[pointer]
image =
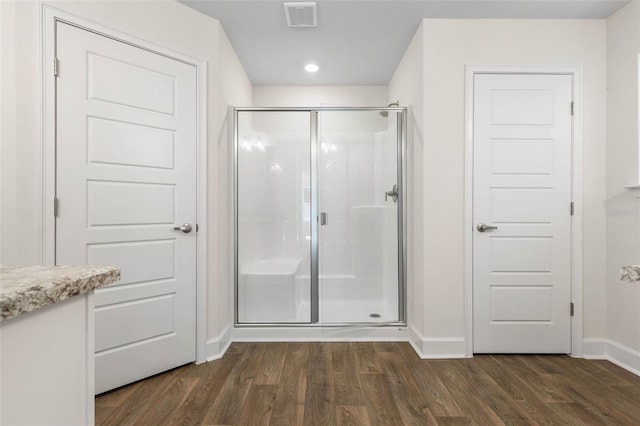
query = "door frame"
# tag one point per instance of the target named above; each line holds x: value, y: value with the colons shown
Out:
x: 576, y: 194
x: 49, y: 17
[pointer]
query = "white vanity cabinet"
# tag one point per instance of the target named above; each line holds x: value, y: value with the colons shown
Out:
x: 47, y: 344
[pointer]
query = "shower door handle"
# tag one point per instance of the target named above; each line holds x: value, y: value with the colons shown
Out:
x: 393, y: 194
x: 324, y: 218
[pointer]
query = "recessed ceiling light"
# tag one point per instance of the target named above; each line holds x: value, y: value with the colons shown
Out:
x: 311, y: 68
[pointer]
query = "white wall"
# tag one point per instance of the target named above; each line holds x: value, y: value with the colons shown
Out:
x: 319, y: 96
x: 20, y: 143
x: 231, y: 86
x: 406, y: 86
x: 449, y: 45
x: 622, y: 208
x: 168, y: 24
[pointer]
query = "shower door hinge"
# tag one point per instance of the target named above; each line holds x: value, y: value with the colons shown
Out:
x: 55, y: 66
x: 56, y: 203
x: 571, y: 209
x: 571, y: 309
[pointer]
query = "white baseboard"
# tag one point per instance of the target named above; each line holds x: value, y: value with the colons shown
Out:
x: 594, y: 348
x: 624, y: 357
x: 619, y: 354
x: 438, y: 348
x: 217, y: 346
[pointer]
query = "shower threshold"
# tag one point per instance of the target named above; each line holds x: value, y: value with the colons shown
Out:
x: 389, y: 332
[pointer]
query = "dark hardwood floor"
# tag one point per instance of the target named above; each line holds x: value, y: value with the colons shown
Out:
x: 376, y: 384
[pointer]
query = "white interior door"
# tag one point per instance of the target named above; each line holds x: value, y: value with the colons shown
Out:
x: 126, y: 175
x: 522, y: 187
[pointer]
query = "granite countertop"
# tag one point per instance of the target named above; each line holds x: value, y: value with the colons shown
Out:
x: 29, y: 288
x: 630, y: 274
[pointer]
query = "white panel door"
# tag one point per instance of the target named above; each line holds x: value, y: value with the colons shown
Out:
x: 522, y: 187
x: 126, y: 175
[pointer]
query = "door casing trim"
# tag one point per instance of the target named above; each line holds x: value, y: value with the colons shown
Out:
x: 575, y: 71
x: 49, y: 17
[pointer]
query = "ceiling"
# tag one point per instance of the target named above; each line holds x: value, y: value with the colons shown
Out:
x: 358, y: 42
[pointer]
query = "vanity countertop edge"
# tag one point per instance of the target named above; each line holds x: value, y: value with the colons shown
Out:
x: 26, y: 289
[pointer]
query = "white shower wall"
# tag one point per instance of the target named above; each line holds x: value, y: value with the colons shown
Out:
x: 273, y: 223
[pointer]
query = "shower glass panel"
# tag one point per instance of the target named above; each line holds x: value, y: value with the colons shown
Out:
x: 273, y: 206
x: 319, y: 216
x: 358, y: 184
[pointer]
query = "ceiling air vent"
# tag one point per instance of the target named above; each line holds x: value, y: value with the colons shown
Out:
x: 301, y: 14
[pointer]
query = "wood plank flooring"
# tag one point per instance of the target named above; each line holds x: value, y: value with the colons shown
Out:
x: 376, y: 384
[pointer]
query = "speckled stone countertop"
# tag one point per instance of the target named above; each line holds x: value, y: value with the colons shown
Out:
x: 630, y: 274
x: 29, y: 288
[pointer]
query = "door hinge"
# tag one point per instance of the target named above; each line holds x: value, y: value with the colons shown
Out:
x: 571, y: 309
x: 572, y: 110
x: 55, y: 66
x: 571, y: 208
x: 56, y: 204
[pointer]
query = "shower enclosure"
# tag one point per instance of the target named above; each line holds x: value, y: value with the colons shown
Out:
x: 319, y: 222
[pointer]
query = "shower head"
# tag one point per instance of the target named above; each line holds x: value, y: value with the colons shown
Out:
x: 385, y: 114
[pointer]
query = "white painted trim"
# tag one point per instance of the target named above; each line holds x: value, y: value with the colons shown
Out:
x: 415, y: 340
x: 468, y: 210
x: 577, y: 321
x: 90, y: 348
x: 217, y: 347
x: 50, y: 15
x: 444, y: 348
x: 320, y: 334
x: 437, y: 348
x: 202, y: 247
x: 617, y: 353
x: 576, y: 192
x: 594, y: 348
x: 623, y: 356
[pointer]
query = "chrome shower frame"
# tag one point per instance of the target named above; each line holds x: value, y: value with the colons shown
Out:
x: 314, y: 158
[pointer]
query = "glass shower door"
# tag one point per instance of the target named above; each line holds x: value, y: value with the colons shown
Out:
x: 273, y: 222
x: 358, y: 179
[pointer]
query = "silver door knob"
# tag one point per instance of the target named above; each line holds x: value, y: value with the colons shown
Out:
x: 186, y: 228
x: 483, y: 227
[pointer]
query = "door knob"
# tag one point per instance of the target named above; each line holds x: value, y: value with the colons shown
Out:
x: 186, y: 228
x: 483, y: 227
